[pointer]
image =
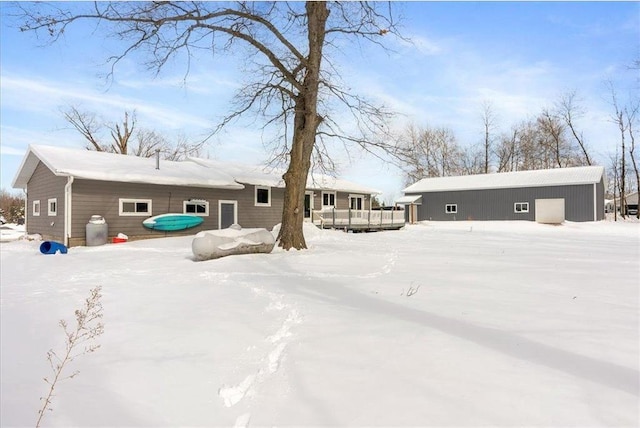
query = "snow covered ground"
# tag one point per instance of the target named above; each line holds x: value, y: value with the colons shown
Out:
x: 438, y: 324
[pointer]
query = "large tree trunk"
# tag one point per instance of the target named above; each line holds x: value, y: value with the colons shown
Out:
x: 306, y: 123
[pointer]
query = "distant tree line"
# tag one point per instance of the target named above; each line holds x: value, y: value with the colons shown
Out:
x: 12, y: 207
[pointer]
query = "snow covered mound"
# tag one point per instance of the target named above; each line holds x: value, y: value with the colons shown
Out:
x: 214, y: 244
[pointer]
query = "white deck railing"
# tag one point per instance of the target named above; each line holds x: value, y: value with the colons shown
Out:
x: 359, y: 218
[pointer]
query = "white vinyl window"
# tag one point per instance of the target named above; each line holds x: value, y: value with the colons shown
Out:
x: 196, y: 207
x: 135, y: 207
x: 52, y: 205
x: 521, y: 207
x: 262, y: 196
x: 451, y: 208
x: 328, y: 199
x: 356, y: 202
x: 36, y: 208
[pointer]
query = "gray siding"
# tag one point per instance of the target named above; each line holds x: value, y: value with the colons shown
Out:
x: 102, y: 198
x: 90, y: 197
x: 498, y: 204
x: 342, y: 200
x: 42, y: 186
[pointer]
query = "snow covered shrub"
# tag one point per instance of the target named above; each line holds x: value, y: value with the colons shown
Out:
x: 78, y: 341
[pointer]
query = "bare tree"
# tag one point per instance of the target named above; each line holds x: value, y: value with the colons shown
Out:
x: 551, y: 137
x: 613, y: 181
x: 619, y: 119
x: 90, y: 127
x: 506, y: 151
x: 488, y: 123
x: 429, y: 152
x: 126, y: 138
x: 87, y: 125
x: 569, y: 111
x: 286, y: 44
x: 631, y: 113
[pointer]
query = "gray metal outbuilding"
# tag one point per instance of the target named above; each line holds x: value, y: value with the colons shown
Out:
x: 577, y: 195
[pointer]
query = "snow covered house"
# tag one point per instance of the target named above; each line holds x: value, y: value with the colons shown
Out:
x: 65, y: 187
x: 575, y: 194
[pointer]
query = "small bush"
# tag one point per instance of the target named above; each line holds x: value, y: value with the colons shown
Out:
x: 79, y: 341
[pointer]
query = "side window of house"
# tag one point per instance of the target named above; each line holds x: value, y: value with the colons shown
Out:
x: 451, y: 208
x: 328, y: 199
x: 197, y: 207
x: 262, y: 196
x: 36, y: 208
x: 135, y: 207
x: 521, y: 207
x: 52, y: 205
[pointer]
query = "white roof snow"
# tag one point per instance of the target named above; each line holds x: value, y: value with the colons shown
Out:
x: 408, y: 200
x: 272, y: 177
x: 504, y: 180
x: 196, y: 172
x: 92, y: 165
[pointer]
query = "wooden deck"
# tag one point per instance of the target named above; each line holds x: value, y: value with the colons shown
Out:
x: 359, y: 220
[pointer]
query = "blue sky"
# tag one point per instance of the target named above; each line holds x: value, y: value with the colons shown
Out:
x: 519, y: 56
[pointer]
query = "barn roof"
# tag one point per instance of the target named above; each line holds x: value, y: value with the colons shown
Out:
x: 506, y: 180
x: 92, y: 165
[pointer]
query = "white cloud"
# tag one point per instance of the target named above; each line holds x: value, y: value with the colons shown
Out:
x: 43, y: 96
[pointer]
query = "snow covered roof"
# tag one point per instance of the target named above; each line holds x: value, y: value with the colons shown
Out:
x: 92, y: 165
x: 272, y: 177
x: 196, y: 172
x: 503, y: 180
x: 326, y: 182
x: 243, y: 173
x: 408, y: 200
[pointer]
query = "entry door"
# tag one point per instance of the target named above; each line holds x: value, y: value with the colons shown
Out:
x: 227, y: 213
x: 308, y: 205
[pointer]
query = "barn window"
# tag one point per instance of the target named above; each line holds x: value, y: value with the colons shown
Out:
x: 135, y: 207
x: 521, y: 207
x: 451, y: 208
x: 52, y: 205
x: 196, y: 206
x: 36, y: 208
x: 263, y: 196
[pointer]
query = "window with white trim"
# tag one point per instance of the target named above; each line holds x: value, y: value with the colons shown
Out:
x: 36, y: 208
x: 451, y: 208
x: 135, y: 207
x: 196, y: 207
x: 52, y: 206
x: 328, y: 199
x: 521, y: 207
x: 262, y: 196
x: 356, y: 202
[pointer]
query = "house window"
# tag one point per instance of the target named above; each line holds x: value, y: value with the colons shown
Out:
x: 135, y: 207
x: 328, y: 199
x: 263, y: 196
x: 52, y: 205
x: 197, y: 207
x: 36, y: 208
x: 356, y: 202
x: 521, y: 207
x: 451, y: 208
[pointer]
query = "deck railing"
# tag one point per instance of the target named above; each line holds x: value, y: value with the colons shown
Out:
x: 359, y: 219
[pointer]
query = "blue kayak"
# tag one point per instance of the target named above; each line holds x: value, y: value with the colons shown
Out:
x: 172, y: 222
